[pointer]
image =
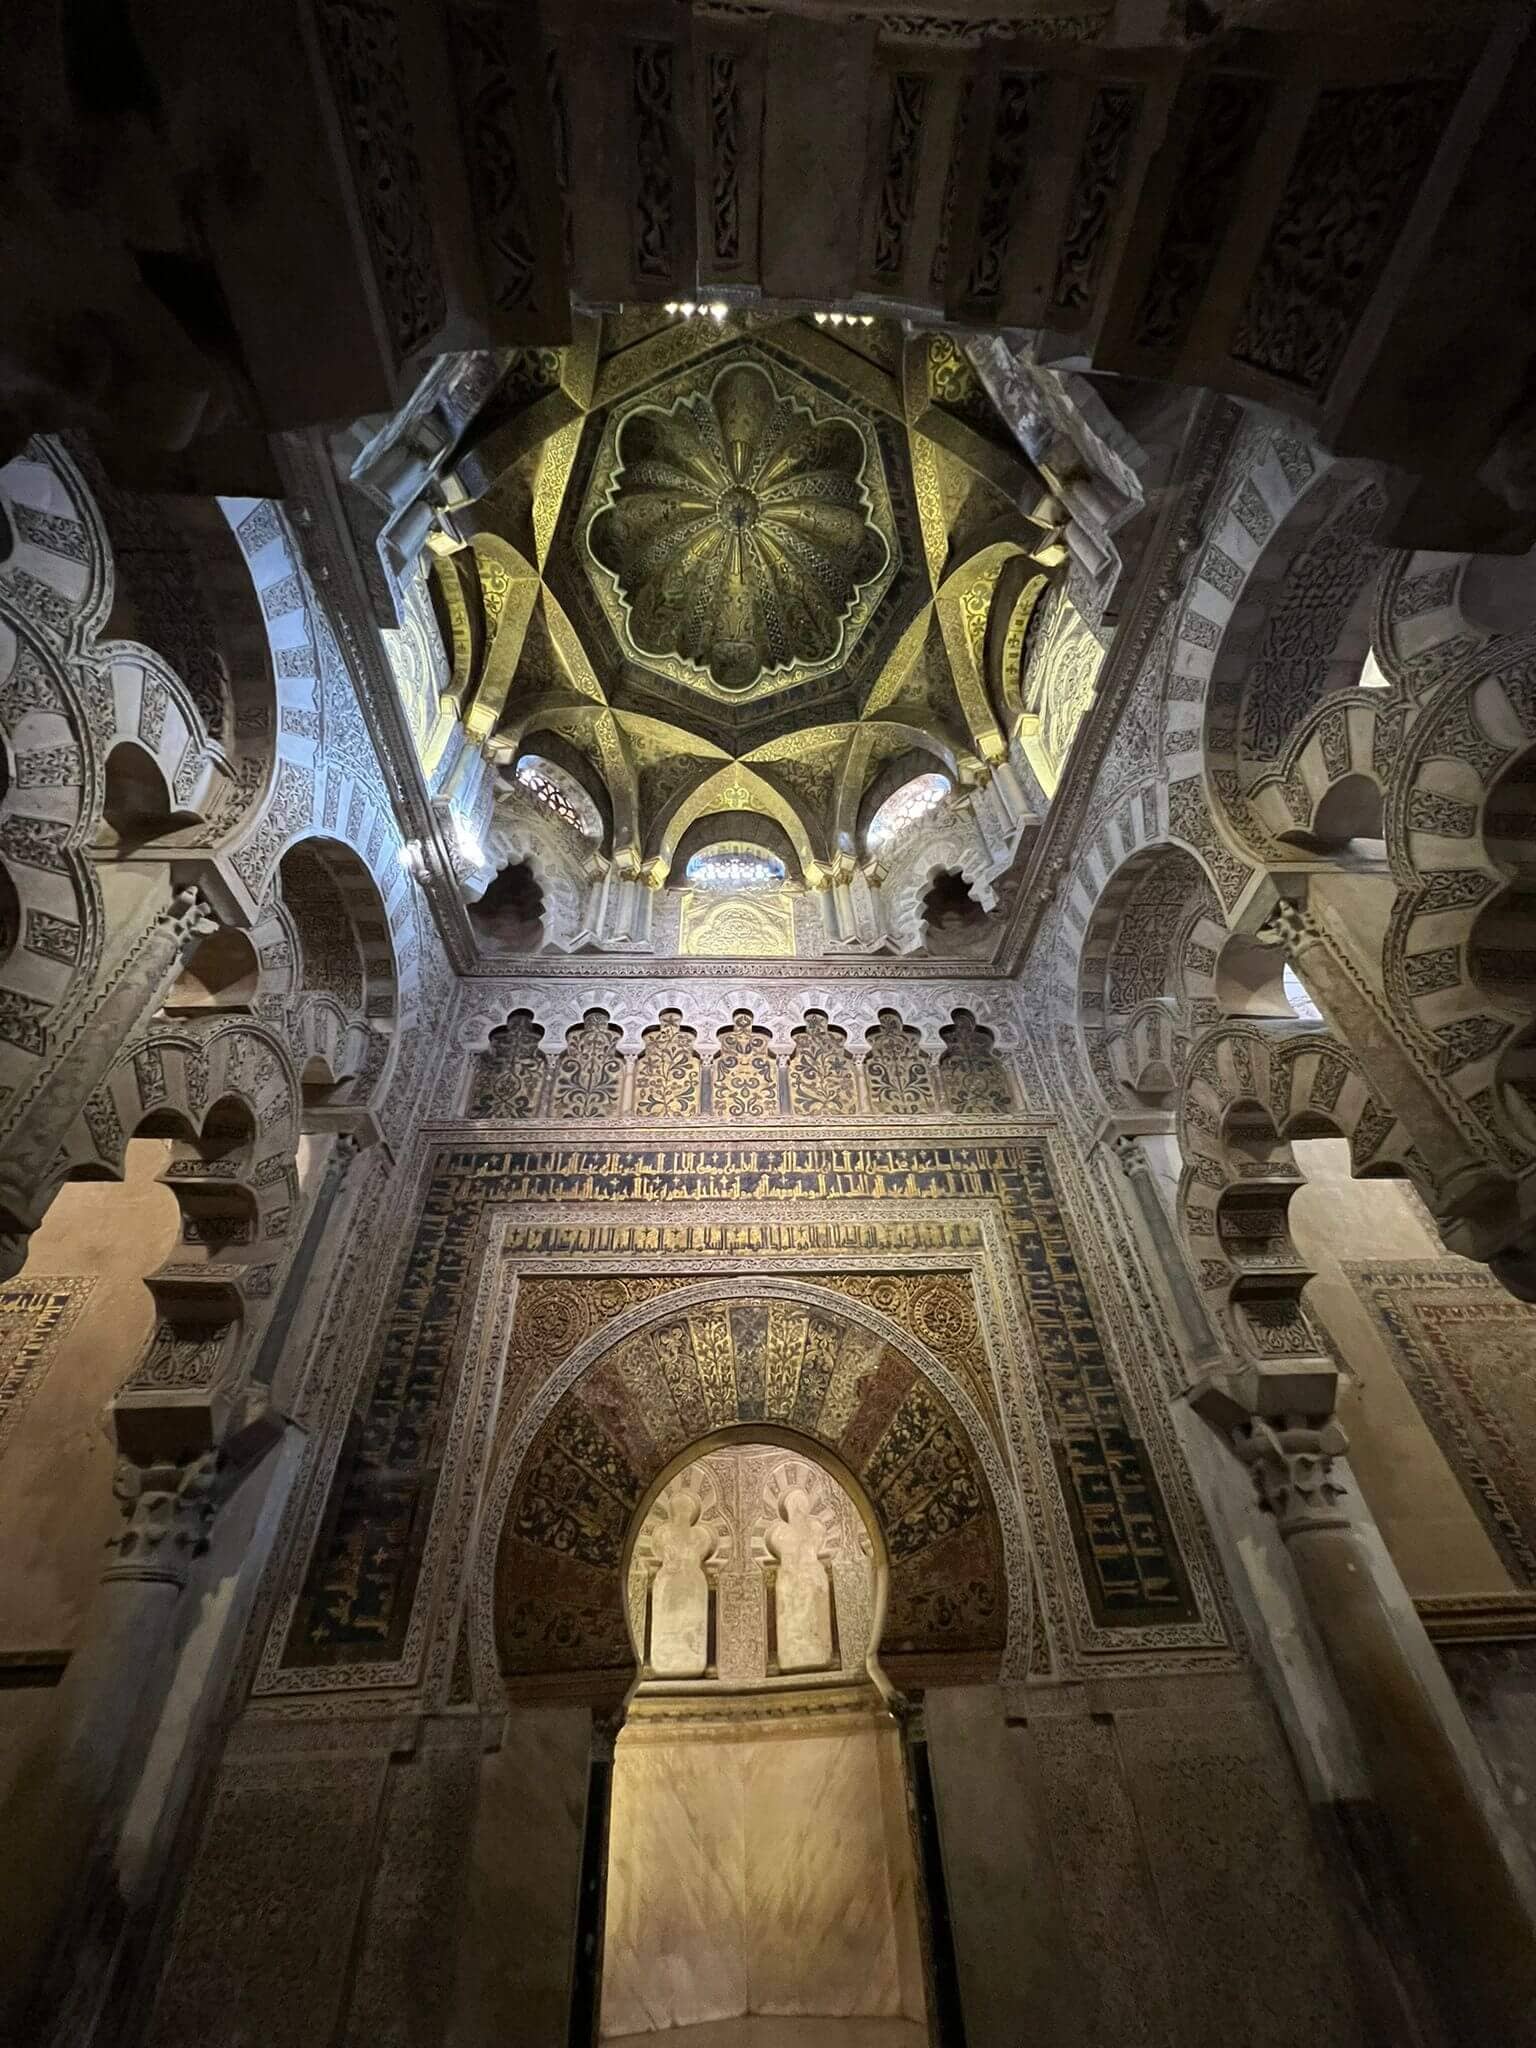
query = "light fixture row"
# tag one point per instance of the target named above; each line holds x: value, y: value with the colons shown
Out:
x: 717, y: 309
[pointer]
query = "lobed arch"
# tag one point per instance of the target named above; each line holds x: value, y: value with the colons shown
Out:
x: 638, y: 1007
x: 523, y: 834
x: 1247, y: 1091
x: 986, y: 1632
x: 1146, y: 969
x: 319, y: 964
x: 344, y: 994
x: 1460, y: 838
x: 226, y: 1093
x: 178, y: 1070
x: 1277, y: 616
x: 955, y: 847
x: 1435, y: 609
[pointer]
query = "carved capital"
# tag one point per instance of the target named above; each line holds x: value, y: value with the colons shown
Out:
x: 1292, y: 1467
x: 168, y: 1506
x: 1130, y: 1155
x: 187, y: 919
x: 1292, y: 926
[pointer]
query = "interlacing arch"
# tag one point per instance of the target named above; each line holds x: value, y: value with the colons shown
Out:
x: 1146, y: 973
x: 1461, y: 831
x: 227, y: 1094
x: 1247, y: 1092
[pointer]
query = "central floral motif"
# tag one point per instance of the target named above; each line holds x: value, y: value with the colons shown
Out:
x: 738, y: 530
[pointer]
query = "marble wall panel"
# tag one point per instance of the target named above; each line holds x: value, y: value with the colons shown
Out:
x: 517, y: 1912
x: 1101, y: 1866
x: 1253, y: 1942
x: 1134, y: 1873
x: 675, y: 1950
x: 403, y: 1987
x: 817, y: 1877
x: 260, y: 1944
x: 756, y: 1870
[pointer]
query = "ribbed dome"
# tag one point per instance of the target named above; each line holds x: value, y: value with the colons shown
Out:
x: 737, y: 527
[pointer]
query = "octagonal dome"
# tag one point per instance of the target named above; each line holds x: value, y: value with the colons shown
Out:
x: 739, y: 529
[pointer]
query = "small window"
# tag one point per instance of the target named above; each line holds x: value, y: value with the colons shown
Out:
x: 560, y: 794
x: 906, y: 807
x: 734, y: 868
x: 1299, y: 997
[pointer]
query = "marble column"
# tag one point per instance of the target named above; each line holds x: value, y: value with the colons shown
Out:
x: 62, y: 1798
x: 1288, y: 1645
x: 1473, y: 1902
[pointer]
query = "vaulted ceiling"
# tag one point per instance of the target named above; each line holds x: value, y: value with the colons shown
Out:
x: 733, y: 566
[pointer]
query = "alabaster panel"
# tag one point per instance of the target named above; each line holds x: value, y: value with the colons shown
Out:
x: 773, y: 2031
x: 823, y: 1930
x: 676, y: 1946
x: 752, y: 1872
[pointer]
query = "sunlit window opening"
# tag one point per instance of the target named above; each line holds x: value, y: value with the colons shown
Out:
x: 906, y: 807
x: 559, y: 793
x: 1296, y: 994
x: 734, y: 867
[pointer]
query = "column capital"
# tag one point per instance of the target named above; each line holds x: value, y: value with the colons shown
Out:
x: 1292, y: 1467
x: 168, y: 1505
x: 1130, y: 1155
x: 188, y: 918
x: 1292, y: 926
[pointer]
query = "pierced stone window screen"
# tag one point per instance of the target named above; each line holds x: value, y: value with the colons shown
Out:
x: 734, y: 868
x: 904, y: 808
x: 1299, y: 997
x: 560, y: 794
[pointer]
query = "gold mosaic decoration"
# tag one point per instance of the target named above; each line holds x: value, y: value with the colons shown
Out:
x: 739, y: 531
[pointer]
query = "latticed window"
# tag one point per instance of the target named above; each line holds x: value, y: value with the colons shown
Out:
x: 904, y: 808
x: 560, y: 793
x: 734, y: 868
